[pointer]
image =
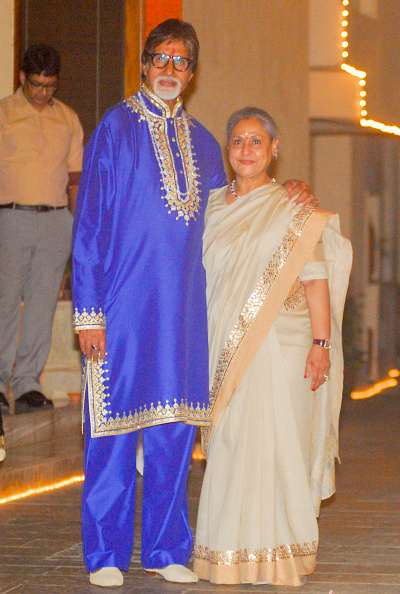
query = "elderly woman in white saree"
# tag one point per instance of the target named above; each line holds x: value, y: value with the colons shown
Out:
x: 276, y: 283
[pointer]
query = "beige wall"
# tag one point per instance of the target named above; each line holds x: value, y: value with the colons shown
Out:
x: 332, y: 176
x: 254, y: 52
x: 325, y: 17
x: 6, y: 47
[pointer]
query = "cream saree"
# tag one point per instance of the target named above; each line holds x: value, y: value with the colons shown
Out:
x: 273, y: 442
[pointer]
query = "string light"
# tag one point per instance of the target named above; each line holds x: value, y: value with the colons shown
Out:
x: 374, y: 390
x: 380, y: 126
x: 362, y: 76
x: 36, y: 491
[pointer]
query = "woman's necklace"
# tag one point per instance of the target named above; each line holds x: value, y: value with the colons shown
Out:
x: 232, y: 187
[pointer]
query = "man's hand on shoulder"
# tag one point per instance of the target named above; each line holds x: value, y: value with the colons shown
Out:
x: 301, y: 189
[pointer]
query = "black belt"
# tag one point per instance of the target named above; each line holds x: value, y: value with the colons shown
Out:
x: 36, y: 207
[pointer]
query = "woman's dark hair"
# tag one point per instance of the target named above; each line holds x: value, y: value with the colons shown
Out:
x: 245, y: 113
x: 172, y: 30
x: 41, y: 59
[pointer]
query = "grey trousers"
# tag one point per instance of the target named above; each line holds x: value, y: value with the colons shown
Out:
x: 34, y: 249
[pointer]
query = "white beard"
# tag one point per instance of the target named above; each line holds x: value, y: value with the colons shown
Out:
x: 167, y: 93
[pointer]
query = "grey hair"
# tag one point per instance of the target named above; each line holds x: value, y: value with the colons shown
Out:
x: 245, y: 113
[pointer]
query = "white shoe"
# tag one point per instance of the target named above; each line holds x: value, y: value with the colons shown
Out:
x: 107, y: 577
x: 2, y: 448
x: 175, y: 573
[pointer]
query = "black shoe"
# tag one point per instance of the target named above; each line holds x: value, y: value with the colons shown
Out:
x: 4, y: 406
x: 31, y: 401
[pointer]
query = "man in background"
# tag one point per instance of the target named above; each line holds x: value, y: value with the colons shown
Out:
x: 41, y: 145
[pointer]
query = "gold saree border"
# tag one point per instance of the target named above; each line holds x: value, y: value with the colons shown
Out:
x: 284, y: 565
x: 263, y: 305
x: 104, y: 422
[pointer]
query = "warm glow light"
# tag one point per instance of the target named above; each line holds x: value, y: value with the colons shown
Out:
x: 354, y: 71
x: 373, y: 390
x: 380, y: 126
x: 197, y: 453
x: 345, y: 44
x: 363, y: 93
x: 393, y: 373
x: 344, y: 23
x: 37, y: 490
x: 344, y: 34
x: 345, y: 13
x: 362, y: 83
x: 345, y: 2
x: 364, y: 112
x: 363, y: 103
x: 345, y: 54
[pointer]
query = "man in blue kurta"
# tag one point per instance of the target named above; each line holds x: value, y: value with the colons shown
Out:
x: 140, y: 310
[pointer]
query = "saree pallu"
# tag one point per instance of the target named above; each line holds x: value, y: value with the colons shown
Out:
x: 272, y: 446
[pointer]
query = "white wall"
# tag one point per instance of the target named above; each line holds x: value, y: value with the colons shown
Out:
x: 6, y: 47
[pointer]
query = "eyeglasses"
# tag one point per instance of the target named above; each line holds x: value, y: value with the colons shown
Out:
x: 41, y: 86
x: 161, y: 60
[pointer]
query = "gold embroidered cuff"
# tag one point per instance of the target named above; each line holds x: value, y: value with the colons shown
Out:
x: 89, y: 321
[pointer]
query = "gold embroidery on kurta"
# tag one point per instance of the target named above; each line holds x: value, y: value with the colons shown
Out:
x: 104, y: 421
x: 89, y: 321
x: 184, y: 203
x: 255, y: 555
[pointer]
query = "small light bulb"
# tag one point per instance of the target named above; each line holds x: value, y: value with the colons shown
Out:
x: 364, y: 112
x: 345, y: 54
x: 345, y: 13
x: 344, y: 23
x: 363, y: 103
x: 345, y: 43
x: 362, y: 83
x: 344, y: 34
x: 363, y: 93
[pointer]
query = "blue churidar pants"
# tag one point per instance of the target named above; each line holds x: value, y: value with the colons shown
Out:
x: 109, y: 497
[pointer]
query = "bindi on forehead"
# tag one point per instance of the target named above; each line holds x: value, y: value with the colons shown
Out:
x: 174, y: 48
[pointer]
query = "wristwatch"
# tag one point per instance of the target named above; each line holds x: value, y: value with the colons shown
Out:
x: 324, y: 343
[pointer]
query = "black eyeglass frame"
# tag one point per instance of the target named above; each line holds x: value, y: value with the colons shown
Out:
x: 41, y: 86
x: 152, y: 56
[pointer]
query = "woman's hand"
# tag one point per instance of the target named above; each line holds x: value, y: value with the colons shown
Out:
x: 317, y: 365
x: 93, y: 343
x: 296, y: 186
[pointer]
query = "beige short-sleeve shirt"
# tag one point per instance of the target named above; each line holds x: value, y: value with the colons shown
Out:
x: 37, y: 151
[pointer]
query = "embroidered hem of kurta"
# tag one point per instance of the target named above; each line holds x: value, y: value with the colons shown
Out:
x: 104, y: 422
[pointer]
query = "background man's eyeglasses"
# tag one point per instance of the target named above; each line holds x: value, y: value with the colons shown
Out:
x: 161, y: 60
x: 41, y: 86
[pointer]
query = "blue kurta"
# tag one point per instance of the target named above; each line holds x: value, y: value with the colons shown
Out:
x: 137, y: 268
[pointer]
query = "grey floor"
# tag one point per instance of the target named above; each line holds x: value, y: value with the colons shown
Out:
x: 41, y: 551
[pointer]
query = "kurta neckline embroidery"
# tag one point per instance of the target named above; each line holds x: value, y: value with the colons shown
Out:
x: 184, y: 203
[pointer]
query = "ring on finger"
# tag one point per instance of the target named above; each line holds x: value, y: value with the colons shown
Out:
x: 327, y: 377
